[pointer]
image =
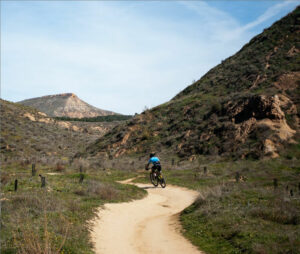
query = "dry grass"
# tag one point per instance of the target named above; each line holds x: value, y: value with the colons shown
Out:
x: 281, y: 212
x: 28, y: 241
x: 93, y: 188
x: 242, y: 216
x: 66, y: 202
x: 32, y: 230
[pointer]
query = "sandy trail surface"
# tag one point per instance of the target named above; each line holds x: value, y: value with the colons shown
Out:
x: 149, y: 225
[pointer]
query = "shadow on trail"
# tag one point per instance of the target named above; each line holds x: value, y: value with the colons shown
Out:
x: 150, y: 187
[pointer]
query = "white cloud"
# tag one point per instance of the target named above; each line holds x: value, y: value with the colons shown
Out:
x: 268, y: 14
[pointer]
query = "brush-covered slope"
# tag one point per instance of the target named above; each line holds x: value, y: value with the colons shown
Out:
x: 27, y: 133
x: 246, y: 107
x: 67, y: 104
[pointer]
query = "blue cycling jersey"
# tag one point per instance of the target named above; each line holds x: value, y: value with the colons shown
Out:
x: 153, y: 160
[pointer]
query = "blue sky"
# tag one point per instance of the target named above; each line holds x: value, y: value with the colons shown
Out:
x: 122, y: 55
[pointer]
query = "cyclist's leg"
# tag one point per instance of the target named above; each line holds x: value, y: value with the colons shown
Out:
x: 159, y: 168
x: 153, y: 169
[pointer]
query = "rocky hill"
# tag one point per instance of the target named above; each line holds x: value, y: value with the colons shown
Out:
x: 246, y: 107
x: 27, y: 133
x: 67, y: 104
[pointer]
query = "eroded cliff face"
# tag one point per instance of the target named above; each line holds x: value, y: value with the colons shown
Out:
x: 261, y: 117
x: 66, y: 104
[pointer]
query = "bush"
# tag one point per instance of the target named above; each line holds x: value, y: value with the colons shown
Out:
x: 103, y: 190
x: 59, y: 167
x: 216, y: 107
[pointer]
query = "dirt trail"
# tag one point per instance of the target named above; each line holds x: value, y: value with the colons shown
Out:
x: 143, y: 226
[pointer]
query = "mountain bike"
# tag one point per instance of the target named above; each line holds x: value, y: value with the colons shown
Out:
x: 157, y: 178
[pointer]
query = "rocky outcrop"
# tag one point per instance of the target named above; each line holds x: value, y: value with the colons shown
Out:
x: 265, y: 115
x: 66, y: 104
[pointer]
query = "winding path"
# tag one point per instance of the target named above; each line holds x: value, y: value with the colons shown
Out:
x: 149, y: 225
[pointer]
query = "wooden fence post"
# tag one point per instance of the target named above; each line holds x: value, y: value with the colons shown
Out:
x: 237, y: 177
x: 43, y: 181
x: 275, y: 183
x: 33, y: 170
x: 16, y: 184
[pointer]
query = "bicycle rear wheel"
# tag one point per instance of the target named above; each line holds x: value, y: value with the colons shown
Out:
x: 153, y: 179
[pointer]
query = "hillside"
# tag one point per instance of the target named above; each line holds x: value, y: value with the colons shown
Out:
x: 27, y: 134
x: 246, y: 107
x: 65, y: 105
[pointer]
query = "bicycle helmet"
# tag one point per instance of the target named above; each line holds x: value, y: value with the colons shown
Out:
x: 152, y: 155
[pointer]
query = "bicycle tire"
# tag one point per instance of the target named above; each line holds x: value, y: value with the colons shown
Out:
x: 153, y: 179
x: 162, y: 182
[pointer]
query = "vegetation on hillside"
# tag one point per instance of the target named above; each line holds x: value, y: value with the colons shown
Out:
x: 258, y: 65
x: 27, y: 134
x: 109, y: 118
x: 217, y: 115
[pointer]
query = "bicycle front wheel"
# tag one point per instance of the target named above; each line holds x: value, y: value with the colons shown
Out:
x: 162, y: 182
x: 153, y: 179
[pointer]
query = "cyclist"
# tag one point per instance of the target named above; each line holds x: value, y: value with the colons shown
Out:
x: 155, y: 161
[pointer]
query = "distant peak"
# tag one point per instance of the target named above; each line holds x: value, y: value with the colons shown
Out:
x: 65, y: 104
x: 64, y: 95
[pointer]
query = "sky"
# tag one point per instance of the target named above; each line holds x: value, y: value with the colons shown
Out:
x: 123, y: 56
